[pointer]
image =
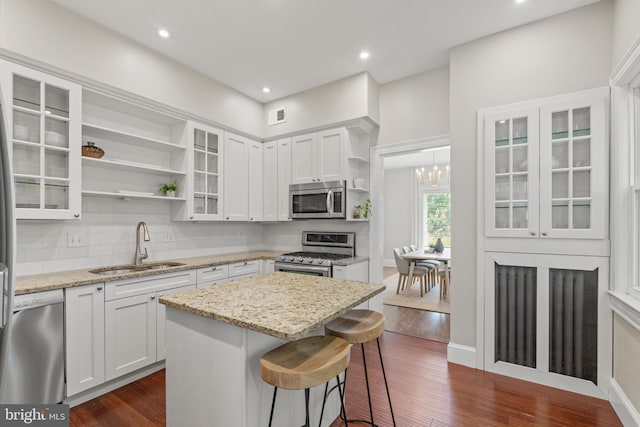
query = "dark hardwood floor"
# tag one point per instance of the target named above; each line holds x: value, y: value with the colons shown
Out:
x: 425, y: 390
x: 417, y: 323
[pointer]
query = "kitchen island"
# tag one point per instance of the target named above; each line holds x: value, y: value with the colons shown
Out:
x: 216, y: 336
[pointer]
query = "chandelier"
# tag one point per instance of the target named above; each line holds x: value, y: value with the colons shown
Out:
x: 430, y: 178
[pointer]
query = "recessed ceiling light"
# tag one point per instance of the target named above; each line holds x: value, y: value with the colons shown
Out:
x: 163, y: 33
x: 520, y: 1
x: 364, y: 55
x: 266, y: 89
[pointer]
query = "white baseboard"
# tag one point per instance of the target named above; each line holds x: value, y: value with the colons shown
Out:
x: 389, y: 263
x: 625, y: 410
x: 462, y: 355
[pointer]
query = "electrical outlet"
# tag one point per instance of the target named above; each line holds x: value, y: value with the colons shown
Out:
x: 241, y: 233
x: 169, y: 237
x: 76, y: 240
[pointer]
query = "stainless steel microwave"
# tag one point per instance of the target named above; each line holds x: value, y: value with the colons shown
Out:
x: 318, y: 200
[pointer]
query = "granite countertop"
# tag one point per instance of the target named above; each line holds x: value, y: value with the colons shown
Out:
x: 68, y: 279
x: 351, y: 260
x: 283, y: 305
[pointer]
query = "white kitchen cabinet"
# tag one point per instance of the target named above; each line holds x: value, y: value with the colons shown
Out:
x: 268, y: 266
x: 214, y: 275
x: 84, y: 337
x: 546, y: 168
x: 130, y: 334
x: 255, y: 172
x: 206, y: 173
x: 236, y: 179
x: 284, y: 178
x: 161, y: 320
x: 357, y: 271
x: 44, y: 126
x: 143, y: 150
x: 276, y: 157
x: 270, y: 180
x: 244, y: 269
x: 318, y: 156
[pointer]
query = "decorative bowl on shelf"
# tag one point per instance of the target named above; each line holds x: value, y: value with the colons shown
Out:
x: 90, y: 150
x: 358, y: 183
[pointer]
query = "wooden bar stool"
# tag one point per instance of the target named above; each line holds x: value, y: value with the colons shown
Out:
x: 303, y: 364
x: 360, y: 327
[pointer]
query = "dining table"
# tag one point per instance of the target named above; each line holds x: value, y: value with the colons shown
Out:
x: 428, y: 254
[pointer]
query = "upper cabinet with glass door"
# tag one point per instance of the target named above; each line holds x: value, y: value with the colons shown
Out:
x: 511, y: 160
x: 546, y: 168
x: 573, y: 167
x: 45, y: 132
x: 204, y: 200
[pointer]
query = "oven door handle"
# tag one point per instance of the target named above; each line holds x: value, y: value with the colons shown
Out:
x: 330, y: 201
x: 301, y: 267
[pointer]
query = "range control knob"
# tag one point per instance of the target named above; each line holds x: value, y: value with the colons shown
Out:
x: 281, y: 257
x: 290, y: 259
x: 300, y: 259
x: 320, y: 261
x: 310, y: 260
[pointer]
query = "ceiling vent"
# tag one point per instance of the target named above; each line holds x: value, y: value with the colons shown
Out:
x: 276, y: 116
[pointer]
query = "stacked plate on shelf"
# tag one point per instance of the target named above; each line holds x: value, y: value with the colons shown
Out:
x: 55, y: 138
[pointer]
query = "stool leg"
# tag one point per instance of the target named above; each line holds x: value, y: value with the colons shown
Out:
x: 366, y: 377
x: 384, y: 375
x: 342, y: 408
x: 324, y: 400
x: 273, y: 404
x: 306, y: 407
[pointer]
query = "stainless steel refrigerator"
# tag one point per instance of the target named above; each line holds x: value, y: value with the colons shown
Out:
x: 7, y: 250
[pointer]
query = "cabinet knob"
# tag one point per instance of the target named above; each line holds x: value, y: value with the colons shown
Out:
x: 544, y: 234
x: 250, y: 219
x: 76, y: 215
x: 227, y: 218
x: 191, y: 217
x: 245, y: 263
x: 533, y: 233
x: 214, y: 268
x: 99, y: 288
x: 153, y: 297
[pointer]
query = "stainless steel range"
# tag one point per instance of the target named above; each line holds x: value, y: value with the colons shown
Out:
x: 319, y: 252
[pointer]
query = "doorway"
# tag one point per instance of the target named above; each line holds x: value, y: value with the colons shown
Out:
x: 409, y: 211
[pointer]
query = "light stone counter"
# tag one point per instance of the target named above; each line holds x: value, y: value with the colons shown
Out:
x: 68, y: 279
x: 283, y: 305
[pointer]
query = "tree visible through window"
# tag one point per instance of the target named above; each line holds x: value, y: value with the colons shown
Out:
x: 437, y: 214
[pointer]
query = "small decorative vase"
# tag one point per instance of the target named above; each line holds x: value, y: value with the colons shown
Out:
x: 439, y: 246
x: 171, y: 194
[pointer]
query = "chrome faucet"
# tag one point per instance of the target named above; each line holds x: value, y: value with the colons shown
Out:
x: 138, y: 257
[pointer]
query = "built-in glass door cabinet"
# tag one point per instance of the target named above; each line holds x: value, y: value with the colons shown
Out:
x: 511, y: 162
x: 43, y: 115
x: 255, y: 190
x: 204, y: 200
x: 318, y: 156
x: 546, y: 169
x: 236, y: 179
x: 547, y: 320
x: 143, y: 150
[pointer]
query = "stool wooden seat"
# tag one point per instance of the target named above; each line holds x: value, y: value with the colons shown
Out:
x: 360, y: 327
x: 303, y: 364
x: 357, y: 326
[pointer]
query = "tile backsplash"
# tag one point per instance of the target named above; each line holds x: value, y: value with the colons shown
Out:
x: 107, y: 234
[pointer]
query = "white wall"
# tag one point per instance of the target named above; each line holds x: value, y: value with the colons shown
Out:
x: 108, y: 227
x: 342, y: 100
x: 399, y: 205
x: 561, y: 54
x: 45, y: 31
x: 415, y: 107
x: 626, y: 16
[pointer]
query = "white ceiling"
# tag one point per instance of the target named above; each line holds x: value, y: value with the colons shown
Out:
x: 294, y: 45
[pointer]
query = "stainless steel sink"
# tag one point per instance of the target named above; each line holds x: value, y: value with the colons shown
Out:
x: 130, y: 268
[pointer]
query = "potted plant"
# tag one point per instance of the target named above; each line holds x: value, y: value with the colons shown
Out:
x: 169, y: 189
x: 357, y: 211
x: 367, y: 208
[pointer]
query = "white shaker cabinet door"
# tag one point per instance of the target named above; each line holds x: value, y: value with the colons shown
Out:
x: 330, y: 155
x: 284, y: 178
x: 303, y: 158
x: 161, y: 317
x: 84, y: 332
x: 130, y: 334
x: 270, y: 180
x: 236, y: 178
x: 255, y: 185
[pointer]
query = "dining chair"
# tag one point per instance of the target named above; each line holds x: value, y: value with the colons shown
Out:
x: 419, y: 272
x: 432, y: 265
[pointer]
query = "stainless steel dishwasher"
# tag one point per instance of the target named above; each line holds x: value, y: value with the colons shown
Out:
x: 35, y: 362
